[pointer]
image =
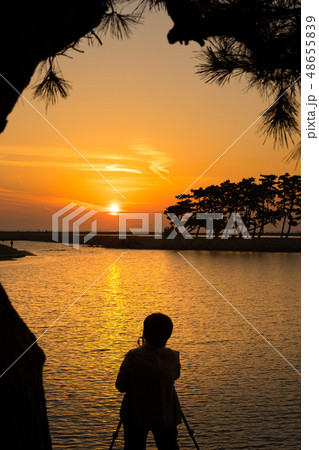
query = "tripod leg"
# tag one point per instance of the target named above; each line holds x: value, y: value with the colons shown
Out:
x: 115, y: 434
x: 190, y: 431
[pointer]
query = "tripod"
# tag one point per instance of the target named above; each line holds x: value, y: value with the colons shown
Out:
x: 190, y: 432
x: 115, y: 434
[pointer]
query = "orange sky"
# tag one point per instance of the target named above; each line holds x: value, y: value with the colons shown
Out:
x: 143, y: 118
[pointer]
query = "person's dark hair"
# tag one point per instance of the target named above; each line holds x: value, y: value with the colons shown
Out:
x: 157, y: 329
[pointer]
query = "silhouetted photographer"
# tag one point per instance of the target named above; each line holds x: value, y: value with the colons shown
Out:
x: 147, y: 377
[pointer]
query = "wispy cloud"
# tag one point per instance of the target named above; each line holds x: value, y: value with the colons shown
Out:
x: 47, y: 164
x: 157, y: 161
x: 117, y: 168
x: 6, y: 190
x: 21, y: 197
x: 142, y: 160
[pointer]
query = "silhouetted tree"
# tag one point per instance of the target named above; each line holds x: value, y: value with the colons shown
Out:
x: 210, y: 200
x: 289, y: 201
x: 261, y: 40
x: 182, y: 207
x: 283, y: 189
x: 257, y: 38
x: 266, y: 212
x: 248, y: 203
x: 258, y: 204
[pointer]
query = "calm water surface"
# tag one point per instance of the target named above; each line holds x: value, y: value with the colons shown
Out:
x: 235, y: 390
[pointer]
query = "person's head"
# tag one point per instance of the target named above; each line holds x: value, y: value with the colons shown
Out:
x: 157, y: 329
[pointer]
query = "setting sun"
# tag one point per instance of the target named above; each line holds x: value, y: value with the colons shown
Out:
x: 114, y: 208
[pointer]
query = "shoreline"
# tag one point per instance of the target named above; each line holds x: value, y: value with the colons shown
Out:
x: 105, y: 240
x: 200, y: 244
x: 7, y: 253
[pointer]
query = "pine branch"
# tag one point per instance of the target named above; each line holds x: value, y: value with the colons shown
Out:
x: 280, y: 121
x: 51, y: 87
x: 119, y: 25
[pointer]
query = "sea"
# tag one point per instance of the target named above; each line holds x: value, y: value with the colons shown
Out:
x: 236, y: 325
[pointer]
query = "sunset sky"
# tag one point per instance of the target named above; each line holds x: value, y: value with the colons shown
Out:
x: 139, y: 114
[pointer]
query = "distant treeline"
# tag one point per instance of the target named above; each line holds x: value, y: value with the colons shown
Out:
x: 271, y: 200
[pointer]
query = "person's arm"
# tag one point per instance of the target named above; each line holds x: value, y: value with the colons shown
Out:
x: 122, y: 380
x: 178, y: 368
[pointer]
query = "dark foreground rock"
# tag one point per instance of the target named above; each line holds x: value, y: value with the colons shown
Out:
x: 23, y: 417
x: 7, y: 252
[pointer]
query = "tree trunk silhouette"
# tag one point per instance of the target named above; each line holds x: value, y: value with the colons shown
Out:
x: 23, y: 417
x: 288, y: 231
x: 31, y: 34
x: 283, y: 227
x: 254, y: 230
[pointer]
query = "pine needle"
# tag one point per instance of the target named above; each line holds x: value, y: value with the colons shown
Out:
x: 119, y: 25
x: 51, y: 87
